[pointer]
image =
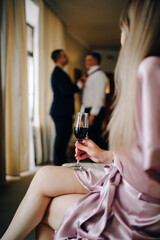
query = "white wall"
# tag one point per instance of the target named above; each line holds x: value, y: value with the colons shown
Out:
x: 76, y: 52
x: 109, y: 59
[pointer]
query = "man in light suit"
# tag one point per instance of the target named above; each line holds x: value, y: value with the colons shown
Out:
x: 62, y: 108
x: 93, y: 98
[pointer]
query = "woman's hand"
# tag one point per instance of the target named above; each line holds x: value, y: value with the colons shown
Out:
x: 92, y: 151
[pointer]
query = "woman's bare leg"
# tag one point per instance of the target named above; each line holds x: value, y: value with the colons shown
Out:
x: 58, y: 208
x: 49, y: 182
x: 54, y: 214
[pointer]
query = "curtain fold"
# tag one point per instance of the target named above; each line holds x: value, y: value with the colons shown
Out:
x: 52, y: 36
x: 2, y: 146
x: 2, y: 90
x: 16, y: 107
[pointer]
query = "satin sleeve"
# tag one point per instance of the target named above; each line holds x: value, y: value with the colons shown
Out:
x: 149, y: 73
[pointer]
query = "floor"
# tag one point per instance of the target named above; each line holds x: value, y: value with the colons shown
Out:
x: 11, y: 195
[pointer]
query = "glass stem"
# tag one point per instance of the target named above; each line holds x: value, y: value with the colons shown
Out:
x: 80, y: 141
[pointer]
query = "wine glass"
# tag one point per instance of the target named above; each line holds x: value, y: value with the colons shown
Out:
x: 80, y: 131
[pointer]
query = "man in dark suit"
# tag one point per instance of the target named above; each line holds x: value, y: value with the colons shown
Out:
x: 62, y: 108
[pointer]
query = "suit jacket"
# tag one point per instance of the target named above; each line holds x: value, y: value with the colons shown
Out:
x: 64, y: 89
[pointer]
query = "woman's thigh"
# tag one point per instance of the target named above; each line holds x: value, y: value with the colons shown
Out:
x: 58, y: 208
x: 54, y: 181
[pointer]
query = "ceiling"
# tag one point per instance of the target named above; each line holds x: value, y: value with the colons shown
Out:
x: 95, y: 23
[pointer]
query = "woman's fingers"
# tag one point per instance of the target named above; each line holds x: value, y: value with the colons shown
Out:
x: 78, y: 152
x: 81, y: 151
x: 81, y: 146
x: 84, y: 156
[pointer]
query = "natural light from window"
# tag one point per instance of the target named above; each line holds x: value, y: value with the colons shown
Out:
x: 32, y: 32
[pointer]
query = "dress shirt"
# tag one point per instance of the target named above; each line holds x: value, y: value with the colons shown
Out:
x: 94, y: 90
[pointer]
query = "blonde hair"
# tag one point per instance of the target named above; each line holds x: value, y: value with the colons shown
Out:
x: 140, y: 20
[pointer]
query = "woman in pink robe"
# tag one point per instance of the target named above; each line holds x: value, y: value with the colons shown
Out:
x: 123, y: 200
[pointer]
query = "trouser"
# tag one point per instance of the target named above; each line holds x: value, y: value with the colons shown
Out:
x: 63, y: 127
x: 95, y: 131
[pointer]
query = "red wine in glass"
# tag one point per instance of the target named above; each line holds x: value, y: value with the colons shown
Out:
x: 80, y: 131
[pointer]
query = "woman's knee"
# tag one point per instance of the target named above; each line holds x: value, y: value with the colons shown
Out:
x: 40, y: 177
x: 57, y: 180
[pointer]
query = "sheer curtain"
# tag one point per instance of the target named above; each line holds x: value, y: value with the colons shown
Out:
x: 16, y: 102
x: 52, y: 36
x: 2, y: 89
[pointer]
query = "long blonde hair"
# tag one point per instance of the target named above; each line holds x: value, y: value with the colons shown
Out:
x: 140, y: 20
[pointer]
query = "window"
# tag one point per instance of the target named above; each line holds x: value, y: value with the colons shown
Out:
x: 30, y: 70
x: 32, y: 32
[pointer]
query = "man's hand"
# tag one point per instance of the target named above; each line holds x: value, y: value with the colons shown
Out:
x: 83, y: 78
x: 82, y: 81
x: 91, y: 119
